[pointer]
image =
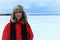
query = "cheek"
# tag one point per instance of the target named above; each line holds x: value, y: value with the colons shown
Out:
x: 20, y: 15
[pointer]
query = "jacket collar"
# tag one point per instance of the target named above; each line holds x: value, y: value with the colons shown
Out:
x: 22, y: 21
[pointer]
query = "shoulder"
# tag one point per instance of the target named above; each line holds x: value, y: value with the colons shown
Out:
x: 7, y: 26
x: 28, y: 24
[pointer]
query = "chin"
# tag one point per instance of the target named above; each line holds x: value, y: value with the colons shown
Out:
x: 18, y: 18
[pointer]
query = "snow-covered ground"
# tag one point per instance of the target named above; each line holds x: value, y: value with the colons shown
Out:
x: 44, y: 27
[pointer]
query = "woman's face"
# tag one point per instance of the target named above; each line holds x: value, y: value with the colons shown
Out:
x: 18, y: 15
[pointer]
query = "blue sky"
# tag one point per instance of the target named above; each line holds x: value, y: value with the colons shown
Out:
x: 32, y: 6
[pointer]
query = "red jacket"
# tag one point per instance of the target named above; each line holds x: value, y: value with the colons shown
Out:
x: 6, y: 32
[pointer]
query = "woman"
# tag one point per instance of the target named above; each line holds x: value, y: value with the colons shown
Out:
x: 18, y: 27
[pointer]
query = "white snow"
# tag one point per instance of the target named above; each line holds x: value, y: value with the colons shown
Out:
x: 44, y: 27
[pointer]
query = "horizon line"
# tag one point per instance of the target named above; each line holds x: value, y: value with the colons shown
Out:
x: 30, y: 14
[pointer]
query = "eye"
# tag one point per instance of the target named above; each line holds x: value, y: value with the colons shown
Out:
x: 20, y: 11
x: 15, y: 12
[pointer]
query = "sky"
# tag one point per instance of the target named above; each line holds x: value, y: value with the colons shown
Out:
x: 32, y: 6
